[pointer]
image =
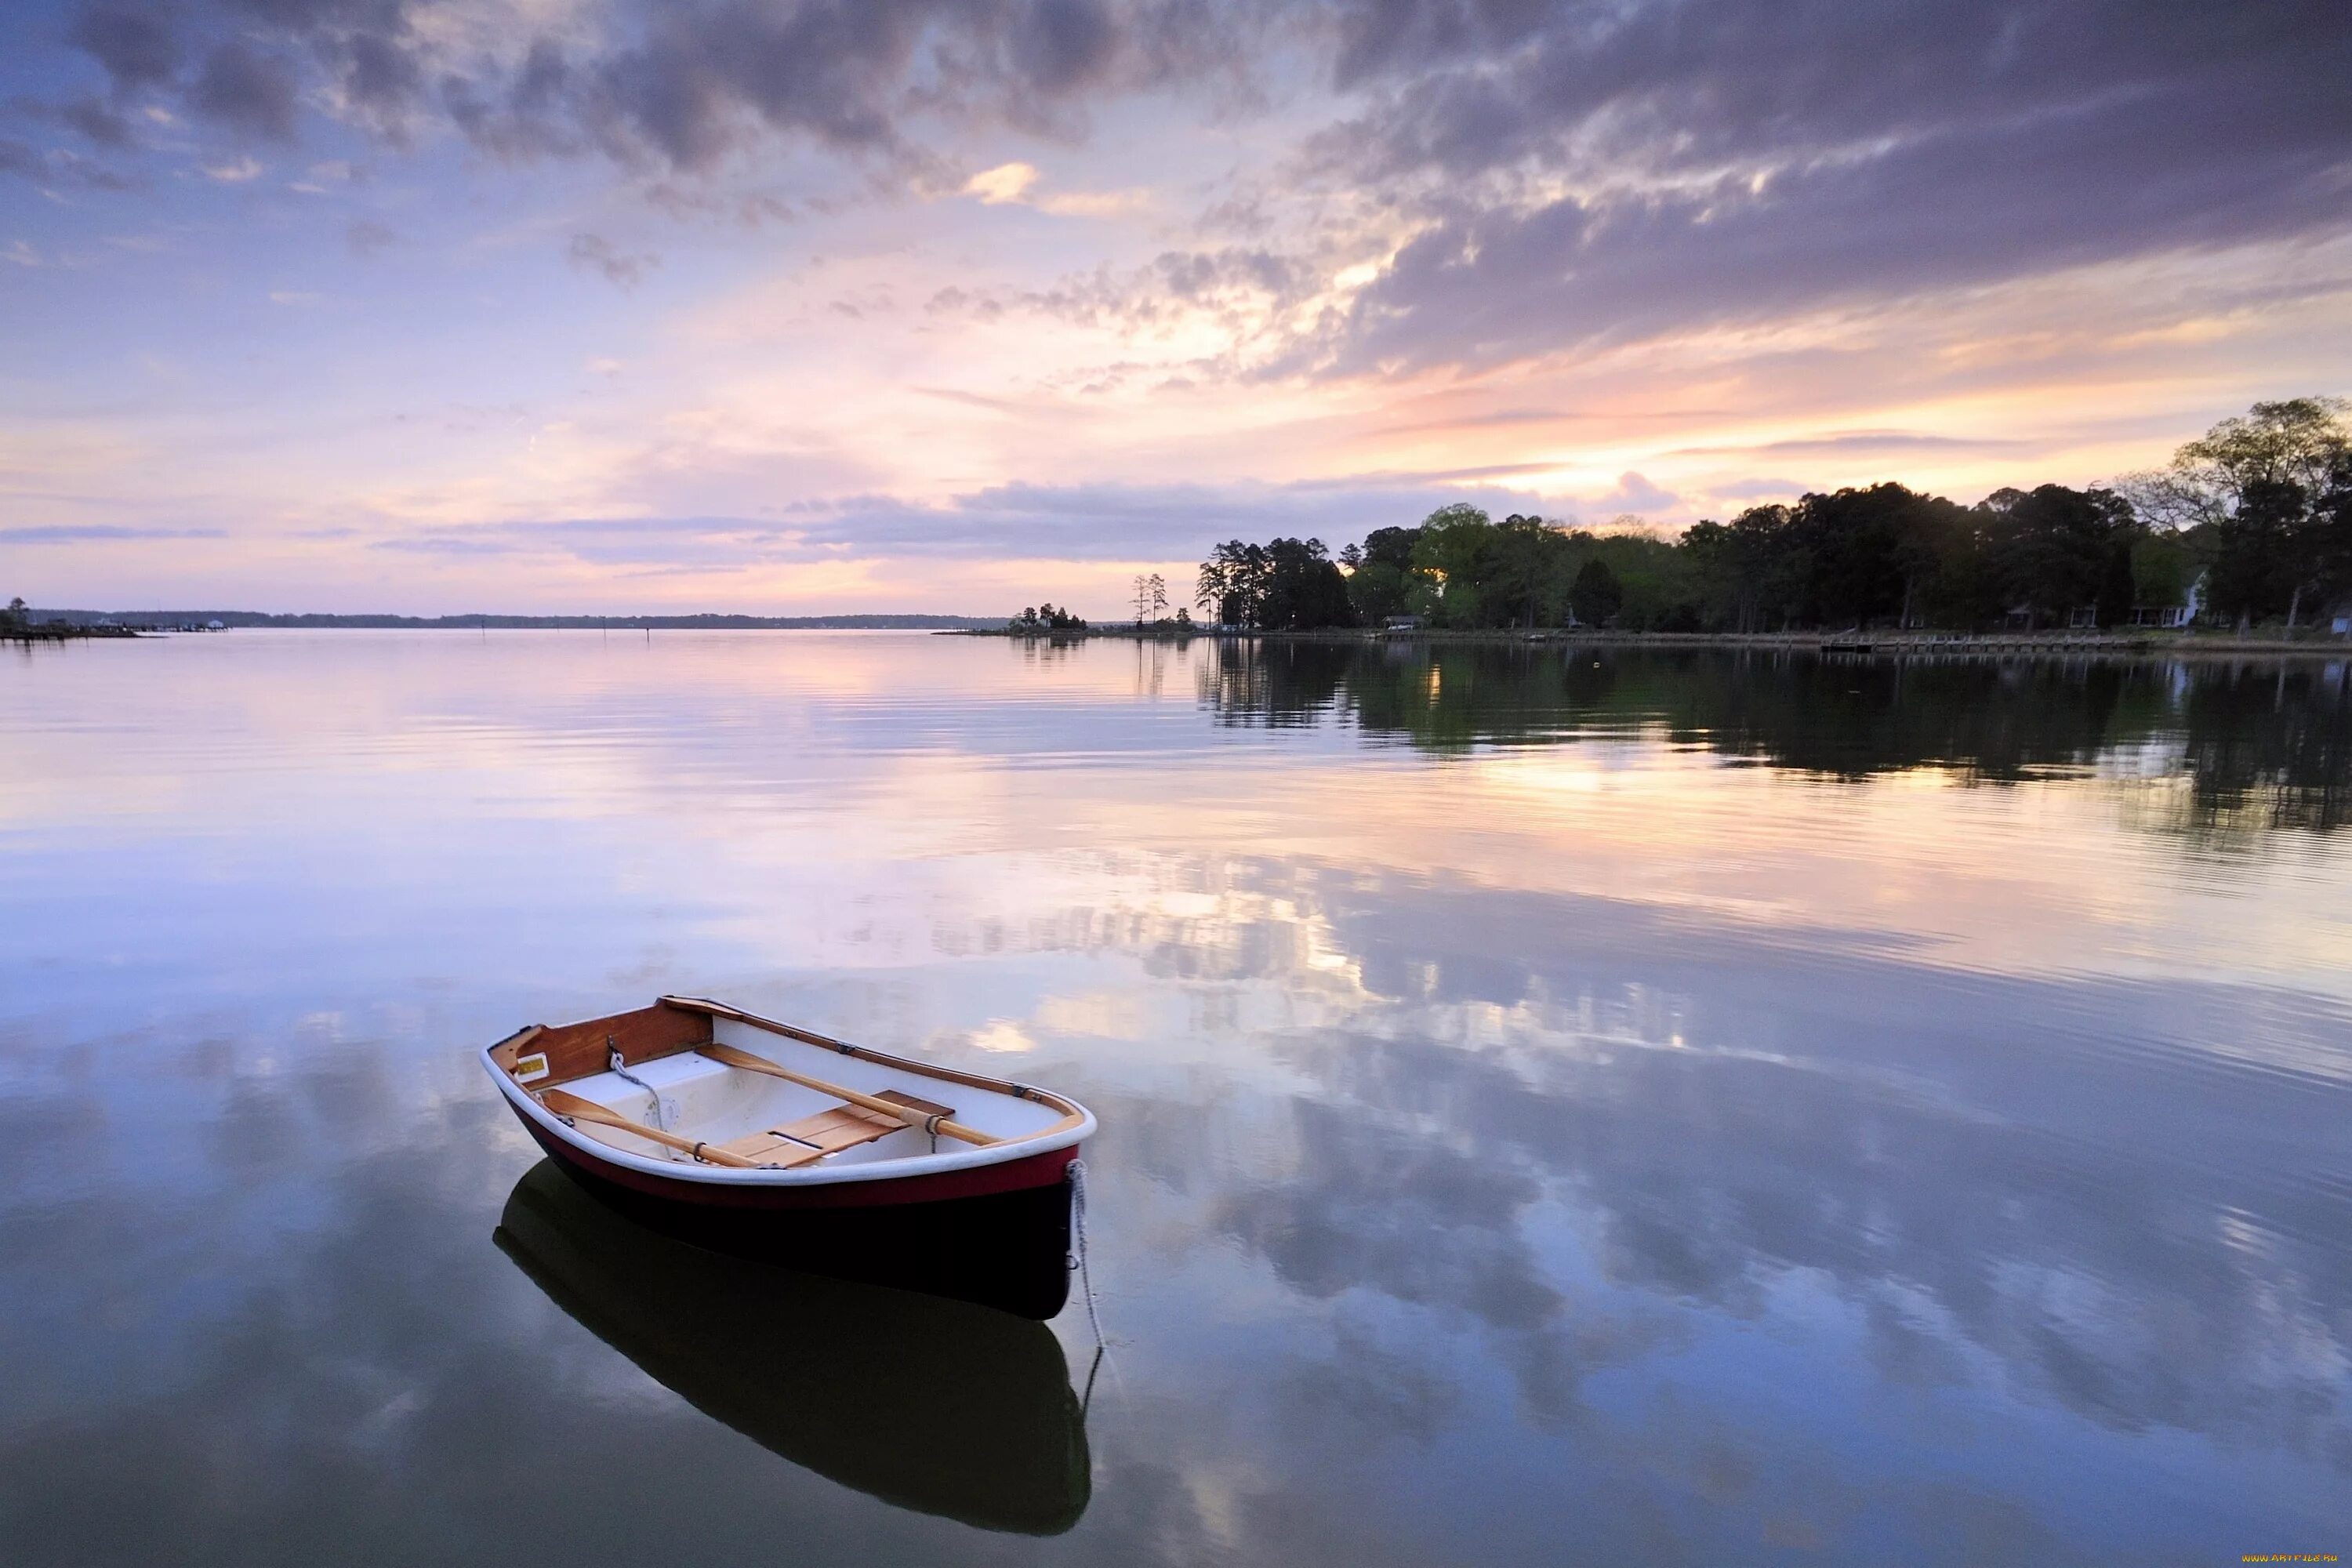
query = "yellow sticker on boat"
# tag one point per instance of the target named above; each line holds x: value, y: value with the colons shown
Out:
x: 531, y: 1068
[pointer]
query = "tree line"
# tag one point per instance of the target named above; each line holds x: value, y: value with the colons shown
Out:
x: 2250, y: 523
x: 1047, y: 618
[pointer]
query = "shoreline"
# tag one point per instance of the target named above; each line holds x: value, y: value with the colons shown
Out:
x: 1868, y: 645
x: 29, y: 635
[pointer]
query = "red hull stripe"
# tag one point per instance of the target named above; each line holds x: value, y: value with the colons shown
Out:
x: 1006, y: 1176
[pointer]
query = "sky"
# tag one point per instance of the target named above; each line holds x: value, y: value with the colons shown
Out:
x: 818, y: 306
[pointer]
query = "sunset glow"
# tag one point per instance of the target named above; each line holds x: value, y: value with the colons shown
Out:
x: 580, y: 305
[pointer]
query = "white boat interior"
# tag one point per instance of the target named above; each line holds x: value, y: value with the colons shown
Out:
x: 695, y: 1084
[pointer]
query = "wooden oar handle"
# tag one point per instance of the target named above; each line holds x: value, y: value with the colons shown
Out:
x: 750, y: 1063
x: 580, y: 1110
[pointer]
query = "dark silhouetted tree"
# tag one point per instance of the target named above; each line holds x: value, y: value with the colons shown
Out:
x: 1232, y: 584
x: 2254, y: 573
x: 1304, y: 591
x: 1596, y: 594
x: 2051, y: 548
x: 1382, y: 580
x: 2119, y: 589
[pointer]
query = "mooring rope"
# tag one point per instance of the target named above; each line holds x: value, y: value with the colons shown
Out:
x: 1086, y: 1400
x: 661, y: 1112
x: 1077, y: 1259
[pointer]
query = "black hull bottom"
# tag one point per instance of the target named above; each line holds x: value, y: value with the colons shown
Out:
x: 1006, y: 1250
x: 844, y: 1379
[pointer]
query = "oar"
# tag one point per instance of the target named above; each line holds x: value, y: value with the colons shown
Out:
x: 581, y: 1109
x: 750, y: 1063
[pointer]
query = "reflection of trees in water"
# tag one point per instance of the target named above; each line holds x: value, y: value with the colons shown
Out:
x: 1042, y: 648
x: 2268, y: 749
x: 2263, y: 745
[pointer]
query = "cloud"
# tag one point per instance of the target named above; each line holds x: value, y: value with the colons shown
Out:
x: 954, y: 301
x: 682, y: 85
x: 1560, y: 177
x: 532, y: 116
x: 1056, y: 523
x: 1839, y: 443
x: 1683, y: 87
x: 135, y: 43
x: 1634, y: 493
x: 1059, y: 45
x: 702, y: 75
x: 1450, y: 475
x: 619, y: 268
x: 689, y: 201
x: 447, y: 544
x: 1075, y: 522
x: 1244, y: 290
x: 102, y: 125
x: 1010, y: 184
x: 1583, y: 177
x: 381, y: 81
x: 251, y: 94
x: 701, y: 80
x: 1495, y: 182
x: 1005, y: 183
x: 1094, y: 204
x: 368, y: 237
x: 1072, y: 523
x: 1758, y: 489
x: 57, y: 166
x: 90, y: 533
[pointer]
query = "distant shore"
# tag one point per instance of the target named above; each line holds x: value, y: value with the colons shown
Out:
x: 233, y: 620
x: 2319, y: 644
x: 61, y: 632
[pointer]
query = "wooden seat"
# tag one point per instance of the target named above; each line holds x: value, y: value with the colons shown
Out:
x: 812, y: 1137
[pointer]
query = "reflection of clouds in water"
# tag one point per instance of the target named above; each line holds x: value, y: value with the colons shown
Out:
x: 2096, y: 1273
x: 1421, y: 1222
x: 875, y: 801
x: 322, y: 1354
x: 2120, y: 1193
x: 2064, y: 1205
x: 1640, y: 1157
x: 1432, y: 1223
x: 194, y: 1172
x: 1001, y: 1035
x: 1375, y: 1391
x: 322, y: 1357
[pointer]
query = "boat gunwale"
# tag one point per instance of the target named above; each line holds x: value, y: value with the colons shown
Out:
x: 1076, y: 1122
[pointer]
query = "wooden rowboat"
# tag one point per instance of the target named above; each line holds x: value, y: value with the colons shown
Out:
x: 707, y: 1106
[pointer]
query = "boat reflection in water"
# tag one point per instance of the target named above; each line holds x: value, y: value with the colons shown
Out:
x: 840, y: 1376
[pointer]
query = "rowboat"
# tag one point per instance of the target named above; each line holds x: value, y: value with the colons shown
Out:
x: 704, y: 1106
x: 842, y: 1379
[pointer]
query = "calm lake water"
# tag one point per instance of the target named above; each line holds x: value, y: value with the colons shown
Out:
x: 1557, y: 1106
